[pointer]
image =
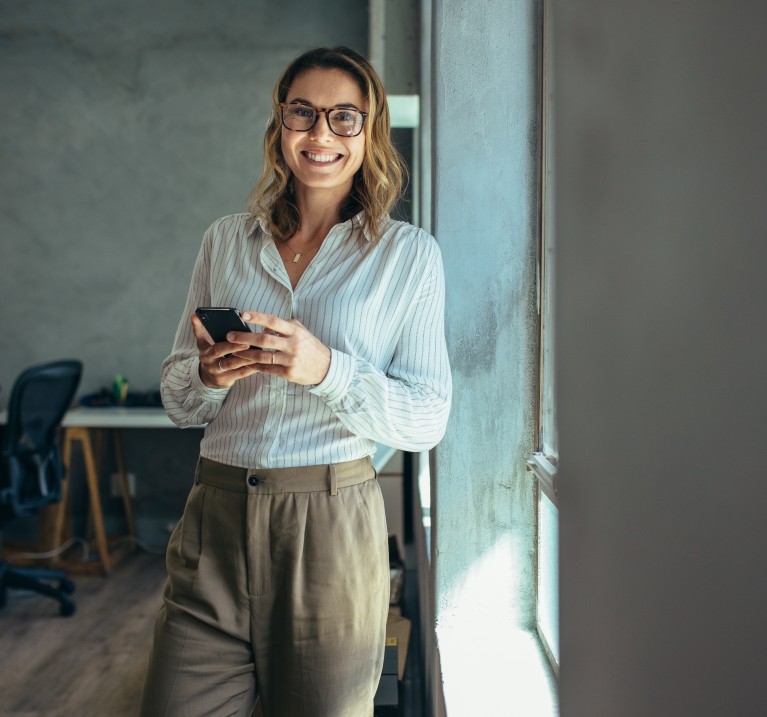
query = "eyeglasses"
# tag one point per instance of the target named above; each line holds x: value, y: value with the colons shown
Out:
x: 343, y: 121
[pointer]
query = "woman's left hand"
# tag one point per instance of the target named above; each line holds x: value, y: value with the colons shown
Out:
x: 286, y: 348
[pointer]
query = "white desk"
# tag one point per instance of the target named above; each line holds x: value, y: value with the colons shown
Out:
x: 117, y: 417
x: 78, y: 424
x: 111, y: 417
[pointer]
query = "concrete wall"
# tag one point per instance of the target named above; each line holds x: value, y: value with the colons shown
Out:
x: 661, y: 228
x: 125, y: 130
x: 484, y: 78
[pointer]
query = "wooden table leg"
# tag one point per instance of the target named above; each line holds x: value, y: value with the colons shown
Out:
x: 61, y: 516
x: 92, y: 477
x: 107, y: 558
x: 122, y: 476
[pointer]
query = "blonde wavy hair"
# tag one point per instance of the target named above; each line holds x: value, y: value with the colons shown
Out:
x: 379, y: 182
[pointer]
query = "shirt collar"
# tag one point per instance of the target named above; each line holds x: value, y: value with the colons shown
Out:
x: 358, y: 221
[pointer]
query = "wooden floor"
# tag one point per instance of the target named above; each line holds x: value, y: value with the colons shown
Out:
x: 91, y: 664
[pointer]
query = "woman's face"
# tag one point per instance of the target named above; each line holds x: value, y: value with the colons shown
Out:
x: 318, y: 158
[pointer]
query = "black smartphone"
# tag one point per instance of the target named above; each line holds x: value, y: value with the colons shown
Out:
x: 220, y: 320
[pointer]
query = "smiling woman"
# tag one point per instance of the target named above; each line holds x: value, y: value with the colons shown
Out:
x: 278, y: 584
x: 318, y: 156
x: 378, y: 183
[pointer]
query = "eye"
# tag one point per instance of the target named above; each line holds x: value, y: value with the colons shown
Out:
x: 301, y: 111
x: 347, y: 116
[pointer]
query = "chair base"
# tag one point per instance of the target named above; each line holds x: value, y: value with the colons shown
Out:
x: 38, y: 580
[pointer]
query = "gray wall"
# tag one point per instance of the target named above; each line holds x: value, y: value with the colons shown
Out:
x: 125, y: 130
x: 661, y: 232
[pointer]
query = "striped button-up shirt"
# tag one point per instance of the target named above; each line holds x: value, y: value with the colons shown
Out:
x: 378, y: 306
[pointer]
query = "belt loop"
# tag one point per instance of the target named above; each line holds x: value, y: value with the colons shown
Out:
x: 333, y: 482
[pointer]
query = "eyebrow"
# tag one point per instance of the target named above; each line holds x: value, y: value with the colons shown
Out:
x: 347, y: 105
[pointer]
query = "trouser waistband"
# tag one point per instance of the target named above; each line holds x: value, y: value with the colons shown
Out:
x: 301, y: 479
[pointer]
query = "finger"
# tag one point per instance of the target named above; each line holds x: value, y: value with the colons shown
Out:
x: 200, y: 332
x: 209, y: 371
x: 233, y: 361
x: 269, y: 321
x: 255, y: 355
x: 220, y: 375
x: 243, y: 372
x: 267, y: 358
x: 273, y: 369
x: 213, y: 365
x: 261, y: 342
x: 243, y: 338
x: 204, y: 339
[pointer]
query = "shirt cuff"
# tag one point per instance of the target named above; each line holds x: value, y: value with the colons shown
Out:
x: 214, y: 395
x: 336, y: 383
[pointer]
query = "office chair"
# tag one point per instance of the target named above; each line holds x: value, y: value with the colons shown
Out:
x: 31, y: 470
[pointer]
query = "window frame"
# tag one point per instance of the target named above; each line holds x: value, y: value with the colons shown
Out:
x: 543, y: 463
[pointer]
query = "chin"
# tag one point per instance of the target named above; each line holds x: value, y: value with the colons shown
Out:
x: 339, y: 183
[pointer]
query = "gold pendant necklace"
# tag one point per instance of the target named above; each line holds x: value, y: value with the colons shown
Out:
x: 298, y: 254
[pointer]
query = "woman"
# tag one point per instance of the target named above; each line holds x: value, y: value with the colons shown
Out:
x: 278, y: 582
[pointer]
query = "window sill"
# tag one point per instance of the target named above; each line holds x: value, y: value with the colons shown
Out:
x: 491, y: 670
x: 545, y: 472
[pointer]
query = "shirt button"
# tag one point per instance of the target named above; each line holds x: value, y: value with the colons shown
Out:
x: 253, y: 480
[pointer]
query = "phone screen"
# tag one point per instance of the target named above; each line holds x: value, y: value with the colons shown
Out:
x: 219, y: 321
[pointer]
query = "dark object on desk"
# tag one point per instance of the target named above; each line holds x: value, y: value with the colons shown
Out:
x: 105, y: 399
x: 31, y: 469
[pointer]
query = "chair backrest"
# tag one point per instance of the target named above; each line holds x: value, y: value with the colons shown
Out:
x: 30, y: 468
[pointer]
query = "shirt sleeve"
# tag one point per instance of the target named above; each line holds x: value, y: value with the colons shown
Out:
x: 407, y: 405
x: 187, y: 400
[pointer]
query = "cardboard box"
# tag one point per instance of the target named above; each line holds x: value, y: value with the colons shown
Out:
x: 398, y: 633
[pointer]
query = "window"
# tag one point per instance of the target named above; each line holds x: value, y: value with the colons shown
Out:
x: 543, y: 463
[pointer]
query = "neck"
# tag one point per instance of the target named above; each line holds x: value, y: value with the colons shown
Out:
x: 320, y: 209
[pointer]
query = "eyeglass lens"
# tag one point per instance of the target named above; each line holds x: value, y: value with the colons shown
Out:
x: 342, y: 121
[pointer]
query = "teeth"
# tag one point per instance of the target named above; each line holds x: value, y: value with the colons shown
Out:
x: 322, y: 157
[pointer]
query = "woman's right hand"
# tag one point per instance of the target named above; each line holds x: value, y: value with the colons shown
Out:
x: 220, y: 366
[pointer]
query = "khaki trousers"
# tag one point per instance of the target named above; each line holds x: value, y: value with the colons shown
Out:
x: 278, y: 588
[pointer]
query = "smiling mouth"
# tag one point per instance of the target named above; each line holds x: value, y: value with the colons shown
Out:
x: 321, y: 158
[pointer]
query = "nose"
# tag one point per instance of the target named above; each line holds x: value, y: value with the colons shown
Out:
x: 321, y: 129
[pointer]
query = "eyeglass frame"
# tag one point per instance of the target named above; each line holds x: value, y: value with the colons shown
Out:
x: 318, y: 111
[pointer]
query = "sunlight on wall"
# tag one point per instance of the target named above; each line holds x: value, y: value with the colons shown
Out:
x: 510, y: 657
x: 511, y: 670
x: 487, y: 582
